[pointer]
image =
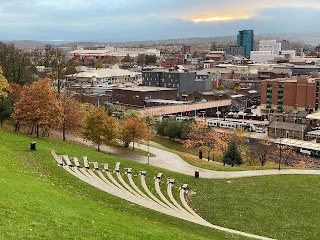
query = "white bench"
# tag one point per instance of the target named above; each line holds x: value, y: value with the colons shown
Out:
x: 117, y: 169
x: 67, y: 160
x: 171, y: 181
x: 184, y: 186
x: 76, y: 162
x: 96, y: 165
x: 106, y: 167
x: 86, y: 162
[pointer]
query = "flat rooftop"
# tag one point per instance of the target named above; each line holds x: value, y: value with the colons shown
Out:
x: 145, y: 89
x: 163, y: 101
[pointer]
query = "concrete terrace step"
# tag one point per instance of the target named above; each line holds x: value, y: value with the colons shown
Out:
x: 104, y: 180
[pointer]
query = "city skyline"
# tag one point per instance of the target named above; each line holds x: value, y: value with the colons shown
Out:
x: 148, y: 20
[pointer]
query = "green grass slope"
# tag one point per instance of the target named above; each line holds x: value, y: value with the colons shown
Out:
x: 39, y: 200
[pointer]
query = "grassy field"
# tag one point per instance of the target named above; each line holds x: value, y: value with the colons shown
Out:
x: 282, y: 207
x: 39, y: 200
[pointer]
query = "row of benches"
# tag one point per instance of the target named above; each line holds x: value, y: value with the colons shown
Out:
x: 103, y: 178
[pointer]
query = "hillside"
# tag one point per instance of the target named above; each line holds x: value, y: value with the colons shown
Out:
x: 40, y: 200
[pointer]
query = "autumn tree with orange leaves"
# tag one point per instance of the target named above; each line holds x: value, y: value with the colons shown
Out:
x: 38, y: 106
x: 100, y: 128
x: 203, y: 138
x: 133, y: 130
x: 72, y: 115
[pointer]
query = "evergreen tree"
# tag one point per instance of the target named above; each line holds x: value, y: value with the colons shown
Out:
x: 232, y: 155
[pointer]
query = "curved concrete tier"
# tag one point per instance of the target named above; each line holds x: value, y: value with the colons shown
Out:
x: 95, y: 177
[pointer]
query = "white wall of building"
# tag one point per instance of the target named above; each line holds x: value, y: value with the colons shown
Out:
x: 262, y: 56
x: 270, y: 45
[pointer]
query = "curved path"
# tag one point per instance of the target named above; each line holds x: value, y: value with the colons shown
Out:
x: 173, y: 162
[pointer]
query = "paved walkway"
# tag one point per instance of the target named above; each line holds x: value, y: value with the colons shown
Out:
x: 173, y: 162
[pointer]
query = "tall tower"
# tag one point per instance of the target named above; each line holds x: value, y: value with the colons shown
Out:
x: 245, y: 38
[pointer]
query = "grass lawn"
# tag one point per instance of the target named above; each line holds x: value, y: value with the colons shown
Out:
x: 282, y: 207
x: 39, y: 200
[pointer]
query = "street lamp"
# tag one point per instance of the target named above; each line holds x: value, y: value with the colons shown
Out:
x: 280, y: 154
x: 149, y: 143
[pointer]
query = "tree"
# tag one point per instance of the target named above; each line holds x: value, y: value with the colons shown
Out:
x: 99, y: 65
x: 237, y: 89
x: 72, y: 116
x: 4, y: 85
x: 70, y: 70
x: 262, y: 149
x: 127, y: 59
x: 232, y: 155
x: 173, y: 129
x: 197, y: 137
x: 38, y: 106
x: 100, y: 128
x: 141, y: 59
x: 16, y: 64
x: 130, y: 113
x: 151, y: 59
x: 6, y: 108
x: 134, y: 130
x: 109, y: 60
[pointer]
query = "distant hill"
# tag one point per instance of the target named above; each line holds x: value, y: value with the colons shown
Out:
x: 307, y: 38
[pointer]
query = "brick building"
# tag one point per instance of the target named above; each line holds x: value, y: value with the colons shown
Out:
x: 137, y: 96
x: 285, y: 94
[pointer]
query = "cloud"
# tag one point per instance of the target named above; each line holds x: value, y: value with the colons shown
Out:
x: 142, y: 19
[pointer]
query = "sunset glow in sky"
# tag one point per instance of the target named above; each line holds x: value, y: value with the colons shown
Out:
x: 85, y: 20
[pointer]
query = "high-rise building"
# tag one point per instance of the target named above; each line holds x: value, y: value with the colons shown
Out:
x: 245, y: 39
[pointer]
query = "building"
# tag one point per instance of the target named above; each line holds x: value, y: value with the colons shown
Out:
x: 262, y: 56
x: 143, y: 96
x: 103, y: 76
x: 285, y: 94
x: 284, y: 44
x: 245, y: 39
x: 236, y: 50
x: 288, y: 130
x: 216, y: 56
x: 270, y: 45
x: 183, y: 81
x: 188, y: 49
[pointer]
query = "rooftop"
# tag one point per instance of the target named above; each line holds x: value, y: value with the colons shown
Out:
x: 145, y: 89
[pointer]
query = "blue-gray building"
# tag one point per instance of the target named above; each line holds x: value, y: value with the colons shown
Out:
x: 183, y: 81
x: 245, y: 38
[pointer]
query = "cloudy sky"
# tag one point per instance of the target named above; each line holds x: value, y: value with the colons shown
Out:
x: 86, y: 20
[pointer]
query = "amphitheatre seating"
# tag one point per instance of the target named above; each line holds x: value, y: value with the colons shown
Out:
x: 117, y: 168
x: 76, y: 162
x: 96, y: 165
x: 167, y: 204
x: 67, y: 160
x: 57, y: 158
x: 106, y: 167
x: 86, y: 162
